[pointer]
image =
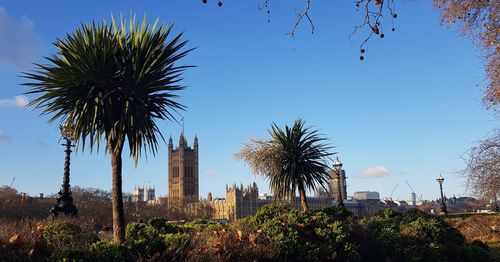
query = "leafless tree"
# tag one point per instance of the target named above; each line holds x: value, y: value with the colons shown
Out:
x: 483, y: 167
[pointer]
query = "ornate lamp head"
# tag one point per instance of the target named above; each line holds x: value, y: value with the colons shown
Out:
x: 337, y: 165
x: 440, y: 179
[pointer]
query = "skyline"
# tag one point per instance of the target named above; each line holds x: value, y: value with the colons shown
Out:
x: 407, y: 112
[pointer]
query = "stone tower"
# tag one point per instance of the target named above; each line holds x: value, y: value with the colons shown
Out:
x: 182, y: 173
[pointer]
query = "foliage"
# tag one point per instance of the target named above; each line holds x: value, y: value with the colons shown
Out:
x: 177, y: 246
x: 144, y: 240
x: 275, y: 233
x: 305, y: 236
x: 199, y: 224
x: 417, y: 236
x: 112, y: 82
x: 110, y: 252
x: 294, y: 158
x: 480, y: 21
x: 61, y: 235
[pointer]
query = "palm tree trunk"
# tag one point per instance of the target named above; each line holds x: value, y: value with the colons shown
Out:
x: 117, y: 197
x: 303, y: 199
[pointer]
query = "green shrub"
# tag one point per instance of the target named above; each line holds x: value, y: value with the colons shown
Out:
x: 110, y: 252
x: 306, y: 236
x: 70, y: 255
x: 417, y: 236
x: 161, y: 226
x: 177, y: 244
x: 145, y: 240
x: 67, y: 241
x: 201, y: 224
x: 135, y: 231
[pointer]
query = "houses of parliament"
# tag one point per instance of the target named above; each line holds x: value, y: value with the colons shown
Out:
x: 240, y: 201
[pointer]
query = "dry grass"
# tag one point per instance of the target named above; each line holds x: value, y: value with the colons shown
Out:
x: 478, y: 227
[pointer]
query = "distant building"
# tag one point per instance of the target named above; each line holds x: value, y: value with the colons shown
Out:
x: 369, y: 203
x: 142, y: 194
x: 239, y: 202
x: 182, y: 173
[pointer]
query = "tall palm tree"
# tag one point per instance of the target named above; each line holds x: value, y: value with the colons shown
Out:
x: 293, y: 159
x: 113, y: 82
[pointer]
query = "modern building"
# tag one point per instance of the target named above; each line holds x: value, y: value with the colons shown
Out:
x: 183, y: 173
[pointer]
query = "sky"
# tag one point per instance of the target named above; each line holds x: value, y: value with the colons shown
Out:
x: 407, y: 112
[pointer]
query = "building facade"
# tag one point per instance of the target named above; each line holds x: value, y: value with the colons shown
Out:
x: 143, y: 194
x: 239, y: 202
x: 183, y: 176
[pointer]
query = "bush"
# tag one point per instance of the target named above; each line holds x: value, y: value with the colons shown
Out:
x: 415, y: 235
x: 306, y: 236
x: 67, y: 241
x: 201, y: 224
x: 144, y: 240
x: 177, y: 246
x: 110, y: 252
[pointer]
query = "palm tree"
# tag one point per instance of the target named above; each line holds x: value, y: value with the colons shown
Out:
x: 112, y: 82
x: 293, y: 159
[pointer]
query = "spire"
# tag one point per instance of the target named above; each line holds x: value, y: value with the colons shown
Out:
x: 195, y: 145
x: 182, y: 140
x: 209, y: 197
x: 170, y: 144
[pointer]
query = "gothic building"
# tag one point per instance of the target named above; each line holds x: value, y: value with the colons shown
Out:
x: 183, y: 177
x: 239, y: 202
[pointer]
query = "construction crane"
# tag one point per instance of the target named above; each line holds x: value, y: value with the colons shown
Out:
x: 11, y: 183
x: 393, y: 190
x: 413, y: 191
x: 414, y: 195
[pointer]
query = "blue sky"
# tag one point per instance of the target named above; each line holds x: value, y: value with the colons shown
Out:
x: 407, y: 112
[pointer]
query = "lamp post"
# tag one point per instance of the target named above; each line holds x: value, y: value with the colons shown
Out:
x: 440, y: 180
x: 337, y: 167
x: 64, y: 198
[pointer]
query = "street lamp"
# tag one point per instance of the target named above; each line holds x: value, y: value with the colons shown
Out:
x: 64, y: 198
x: 440, y: 180
x: 337, y: 167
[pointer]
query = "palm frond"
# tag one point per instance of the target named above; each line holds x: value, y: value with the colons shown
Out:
x: 113, y: 81
x: 294, y: 157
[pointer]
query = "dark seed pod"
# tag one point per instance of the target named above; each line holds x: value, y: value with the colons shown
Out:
x: 361, y: 57
x: 394, y: 15
x: 219, y: 3
x: 362, y: 51
x: 393, y: 29
x: 382, y: 35
x: 204, y: 1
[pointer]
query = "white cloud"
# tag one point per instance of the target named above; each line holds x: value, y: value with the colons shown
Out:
x: 374, y: 172
x: 16, y: 101
x: 3, y: 136
x: 19, y: 41
x: 210, y: 173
